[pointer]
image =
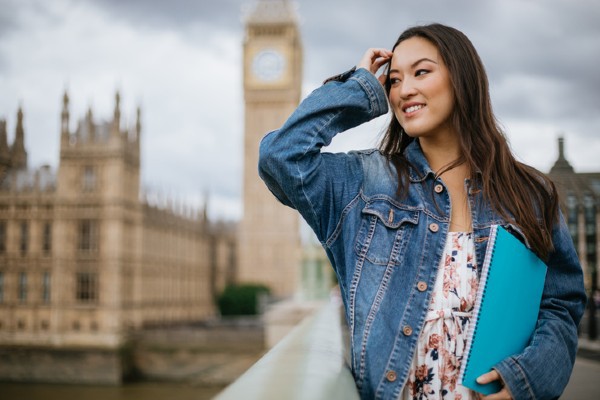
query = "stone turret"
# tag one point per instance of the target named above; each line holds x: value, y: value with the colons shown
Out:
x: 90, y: 127
x: 138, y: 123
x: 4, y: 150
x: 136, y: 131
x: 103, y: 155
x: 116, y: 128
x: 569, y: 183
x: 18, y: 154
x: 64, y: 117
x: 561, y: 165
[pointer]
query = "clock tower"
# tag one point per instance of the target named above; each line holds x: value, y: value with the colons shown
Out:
x: 269, y: 239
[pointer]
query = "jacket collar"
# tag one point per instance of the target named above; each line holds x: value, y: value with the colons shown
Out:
x: 419, y: 168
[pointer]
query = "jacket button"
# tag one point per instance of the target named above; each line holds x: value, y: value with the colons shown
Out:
x: 422, y: 286
x: 407, y: 330
x: 438, y: 188
x: 391, y: 376
x: 433, y: 227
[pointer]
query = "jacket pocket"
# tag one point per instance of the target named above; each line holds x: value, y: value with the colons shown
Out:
x: 383, y: 229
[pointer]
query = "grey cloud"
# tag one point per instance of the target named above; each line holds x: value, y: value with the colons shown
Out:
x: 9, y: 24
x: 557, y: 41
x: 541, y: 58
x: 9, y: 17
x: 178, y: 14
x: 554, y: 45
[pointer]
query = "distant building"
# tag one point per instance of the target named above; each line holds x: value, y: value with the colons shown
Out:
x: 580, y: 202
x: 84, y: 259
x: 270, y: 250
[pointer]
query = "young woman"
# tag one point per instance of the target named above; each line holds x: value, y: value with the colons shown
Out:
x: 406, y: 225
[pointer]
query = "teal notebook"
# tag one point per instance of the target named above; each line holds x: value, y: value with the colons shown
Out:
x: 506, y: 309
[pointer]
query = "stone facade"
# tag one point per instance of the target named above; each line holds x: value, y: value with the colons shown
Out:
x: 580, y: 201
x: 85, y: 259
x: 269, y: 240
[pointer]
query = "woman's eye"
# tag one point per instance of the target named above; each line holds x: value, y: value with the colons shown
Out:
x: 420, y: 72
x: 394, y: 81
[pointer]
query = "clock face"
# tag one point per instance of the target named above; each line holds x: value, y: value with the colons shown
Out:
x: 268, y: 65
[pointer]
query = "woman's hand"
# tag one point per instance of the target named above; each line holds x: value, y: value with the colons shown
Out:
x: 374, y: 59
x: 491, y: 376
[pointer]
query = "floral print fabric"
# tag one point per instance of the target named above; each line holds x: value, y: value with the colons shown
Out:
x: 436, y: 363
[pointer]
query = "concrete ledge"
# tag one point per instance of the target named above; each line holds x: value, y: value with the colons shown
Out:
x: 309, y: 363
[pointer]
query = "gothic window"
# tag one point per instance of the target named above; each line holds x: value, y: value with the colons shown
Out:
x: 46, y: 287
x: 2, y: 237
x: 87, y: 287
x: 24, y: 237
x: 89, y: 179
x: 47, y: 238
x: 23, y: 287
x: 88, y: 235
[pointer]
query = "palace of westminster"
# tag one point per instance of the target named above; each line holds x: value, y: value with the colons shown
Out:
x: 82, y: 258
x: 85, y: 259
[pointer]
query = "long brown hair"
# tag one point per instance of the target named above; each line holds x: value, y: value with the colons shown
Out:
x: 515, y: 191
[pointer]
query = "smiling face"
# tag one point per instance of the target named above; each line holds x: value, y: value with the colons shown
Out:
x: 421, y: 93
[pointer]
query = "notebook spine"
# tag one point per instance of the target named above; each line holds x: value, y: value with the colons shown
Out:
x: 481, y: 290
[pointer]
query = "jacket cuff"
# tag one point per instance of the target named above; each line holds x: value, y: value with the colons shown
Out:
x: 343, y: 77
x: 515, y: 379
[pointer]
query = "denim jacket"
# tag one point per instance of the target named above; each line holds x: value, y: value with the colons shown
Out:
x: 386, y: 250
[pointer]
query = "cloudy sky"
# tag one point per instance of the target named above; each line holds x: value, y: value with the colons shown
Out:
x: 180, y: 61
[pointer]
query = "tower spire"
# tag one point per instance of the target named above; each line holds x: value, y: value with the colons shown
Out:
x: 561, y: 148
x: 4, y: 150
x: 18, y: 153
x: 138, y: 123
x: 89, y: 121
x: 64, y: 117
x: 117, y: 113
x: 561, y: 164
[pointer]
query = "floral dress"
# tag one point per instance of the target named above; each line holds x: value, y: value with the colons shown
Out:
x: 436, y: 363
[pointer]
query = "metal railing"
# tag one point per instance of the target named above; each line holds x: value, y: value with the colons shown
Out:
x: 309, y: 363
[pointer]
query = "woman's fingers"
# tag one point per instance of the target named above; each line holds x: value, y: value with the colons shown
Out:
x: 374, y: 58
x: 491, y: 376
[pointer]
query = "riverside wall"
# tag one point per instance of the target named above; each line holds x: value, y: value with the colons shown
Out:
x: 214, y: 353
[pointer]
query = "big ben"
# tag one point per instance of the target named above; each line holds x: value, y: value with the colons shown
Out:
x: 269, y: 239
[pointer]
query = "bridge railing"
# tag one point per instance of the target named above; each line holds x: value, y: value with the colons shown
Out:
x: 309, y: 363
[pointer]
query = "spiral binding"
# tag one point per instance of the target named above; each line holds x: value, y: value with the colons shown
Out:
x: 485, y: 269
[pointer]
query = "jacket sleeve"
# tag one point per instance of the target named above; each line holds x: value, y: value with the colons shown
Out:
x: 542, y: 371
x: 291, y: 163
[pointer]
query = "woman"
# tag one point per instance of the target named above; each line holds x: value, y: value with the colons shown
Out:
x: 406, y: 226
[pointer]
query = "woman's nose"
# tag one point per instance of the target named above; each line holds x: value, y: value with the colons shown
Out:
x: 407, y: 89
